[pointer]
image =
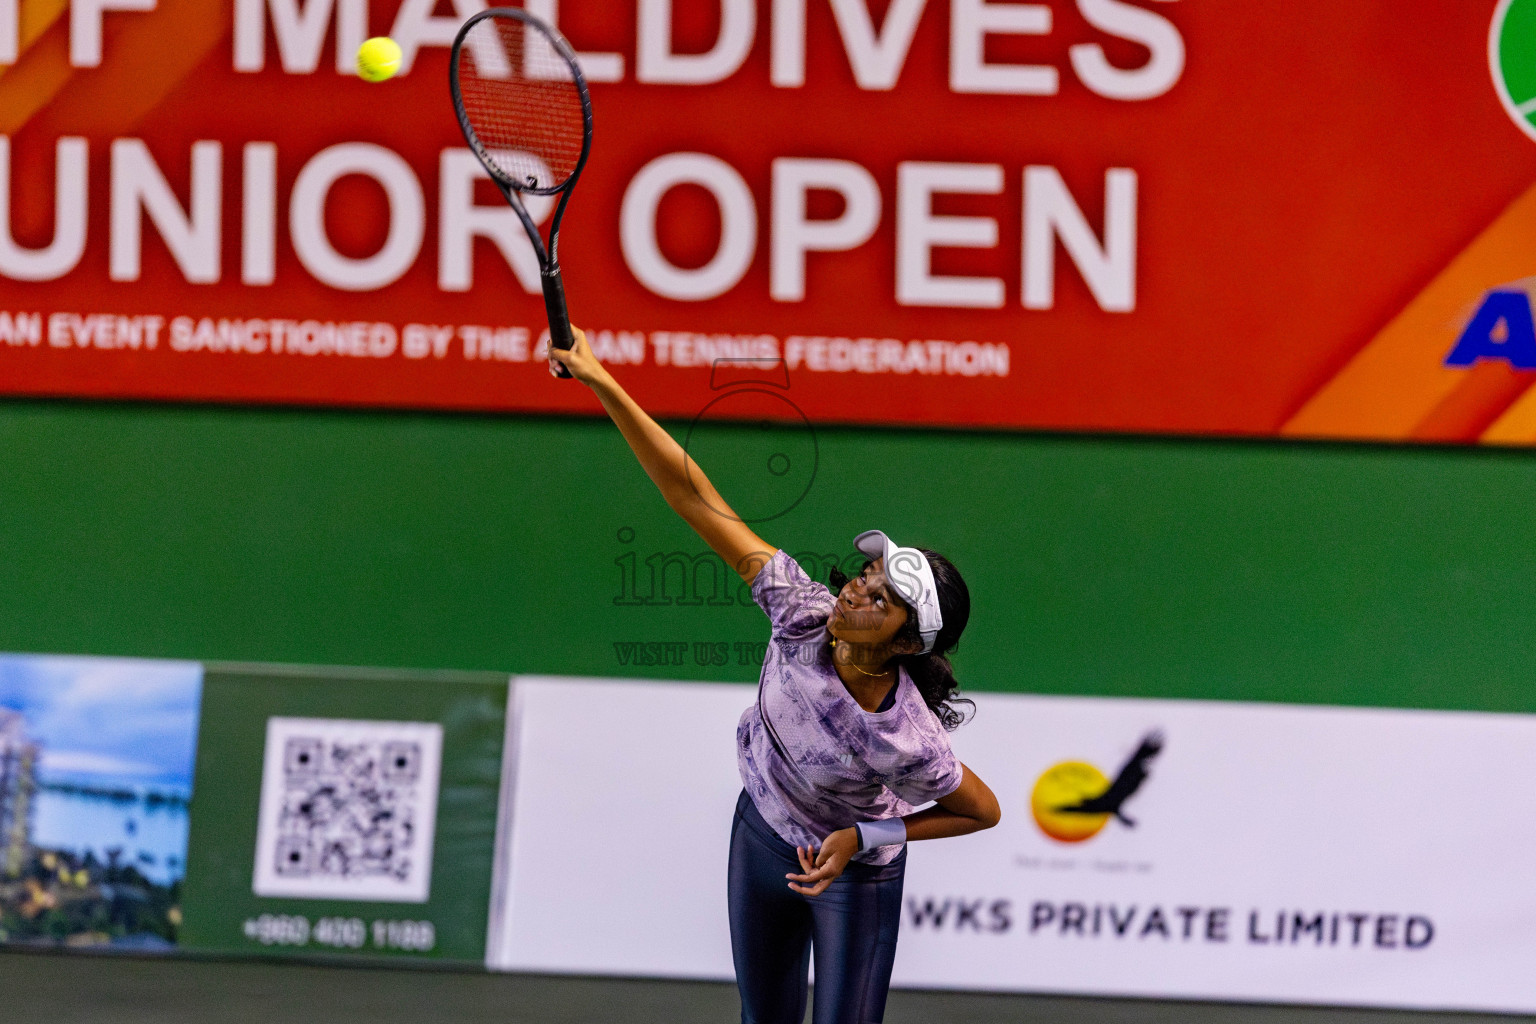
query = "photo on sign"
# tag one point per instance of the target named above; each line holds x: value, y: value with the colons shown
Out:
x: 96, y: 765
x: 348, y: 809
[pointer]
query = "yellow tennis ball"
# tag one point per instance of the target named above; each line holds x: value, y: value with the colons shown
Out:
x: 378, y: 58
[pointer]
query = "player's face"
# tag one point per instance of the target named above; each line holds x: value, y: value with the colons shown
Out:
x: 868, y: 610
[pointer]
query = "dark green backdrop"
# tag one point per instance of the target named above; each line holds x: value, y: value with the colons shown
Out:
x: 1208, y: 569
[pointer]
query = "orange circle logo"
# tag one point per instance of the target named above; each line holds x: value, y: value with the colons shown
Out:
x: 1063, y: 786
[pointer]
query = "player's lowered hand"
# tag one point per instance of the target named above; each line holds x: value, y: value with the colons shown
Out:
x: 578, y: 359
x: 818, y: 873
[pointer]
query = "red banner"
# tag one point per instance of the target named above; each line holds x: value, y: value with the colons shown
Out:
x: 1149, y: 216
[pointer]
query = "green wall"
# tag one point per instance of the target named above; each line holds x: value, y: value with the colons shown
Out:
x: 1208, y: 569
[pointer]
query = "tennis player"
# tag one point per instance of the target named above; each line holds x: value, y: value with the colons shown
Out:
x: 847, y: 738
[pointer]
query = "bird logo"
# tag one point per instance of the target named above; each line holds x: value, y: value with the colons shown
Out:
x: 1073, y: 801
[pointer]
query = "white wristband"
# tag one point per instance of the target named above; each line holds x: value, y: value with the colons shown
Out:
x: 888, y: 832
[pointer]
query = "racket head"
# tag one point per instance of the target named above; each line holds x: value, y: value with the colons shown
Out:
x: 521, y: 100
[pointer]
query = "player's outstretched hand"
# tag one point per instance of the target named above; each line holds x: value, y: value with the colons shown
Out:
x: 835, y: 853
x: 578, y: 359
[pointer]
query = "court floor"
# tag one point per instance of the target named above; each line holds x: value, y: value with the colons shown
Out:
x: 61, y: 989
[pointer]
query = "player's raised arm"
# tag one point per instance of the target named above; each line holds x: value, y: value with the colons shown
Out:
x: 688, y: 491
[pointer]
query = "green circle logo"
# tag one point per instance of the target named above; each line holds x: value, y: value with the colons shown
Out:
x: 1512, y: 59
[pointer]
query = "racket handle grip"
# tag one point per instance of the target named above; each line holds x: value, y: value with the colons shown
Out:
x: 560, y: 335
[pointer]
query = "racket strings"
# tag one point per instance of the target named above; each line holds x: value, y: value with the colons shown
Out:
x: 522, y: 103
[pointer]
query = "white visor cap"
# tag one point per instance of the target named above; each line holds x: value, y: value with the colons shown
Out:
x: 911, y: 576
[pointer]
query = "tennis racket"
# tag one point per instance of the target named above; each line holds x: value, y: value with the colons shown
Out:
x: 523, y: 105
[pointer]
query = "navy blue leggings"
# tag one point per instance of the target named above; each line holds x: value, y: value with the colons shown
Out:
x: 852, y: 926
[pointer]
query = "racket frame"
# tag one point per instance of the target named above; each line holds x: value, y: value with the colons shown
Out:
x: 555, y: 308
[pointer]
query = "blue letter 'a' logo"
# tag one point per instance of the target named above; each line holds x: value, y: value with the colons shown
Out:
x: 1483, y: 339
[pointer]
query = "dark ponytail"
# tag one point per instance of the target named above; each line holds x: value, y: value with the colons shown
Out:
x: 932, y: 673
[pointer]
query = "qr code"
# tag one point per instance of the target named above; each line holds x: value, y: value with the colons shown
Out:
x: 348, y: 809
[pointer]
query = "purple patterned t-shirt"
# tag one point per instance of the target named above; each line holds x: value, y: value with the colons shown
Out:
x: 811, y: 758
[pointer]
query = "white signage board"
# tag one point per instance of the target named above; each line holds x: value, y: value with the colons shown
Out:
x: 1204, y: 850
x: 620, y: 825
